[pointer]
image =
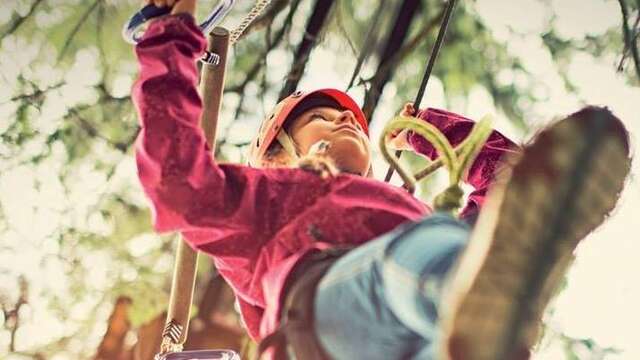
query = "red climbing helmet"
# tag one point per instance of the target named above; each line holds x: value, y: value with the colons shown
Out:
x: 272, y: 125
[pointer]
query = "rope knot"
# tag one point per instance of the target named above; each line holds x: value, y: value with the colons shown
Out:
x: 456, y: 160
x: 450, y: 199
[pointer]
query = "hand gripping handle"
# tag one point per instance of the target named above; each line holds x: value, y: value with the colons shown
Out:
x: 131, y: 30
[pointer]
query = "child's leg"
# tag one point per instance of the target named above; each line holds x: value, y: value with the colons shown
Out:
x: 380, y: 300
x: 565, y: 184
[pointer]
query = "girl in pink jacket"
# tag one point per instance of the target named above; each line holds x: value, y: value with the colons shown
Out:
x: 306, y: 223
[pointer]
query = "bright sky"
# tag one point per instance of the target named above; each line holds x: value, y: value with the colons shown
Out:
x: 603, y: 292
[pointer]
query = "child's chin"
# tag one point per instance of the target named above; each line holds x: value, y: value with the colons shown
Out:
x: 353, y: 166
x: 350, y: 155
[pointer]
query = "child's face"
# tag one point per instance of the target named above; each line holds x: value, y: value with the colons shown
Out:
x: 349, y: 146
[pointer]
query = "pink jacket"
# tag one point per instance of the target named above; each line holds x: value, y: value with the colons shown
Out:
x: 257, y: 223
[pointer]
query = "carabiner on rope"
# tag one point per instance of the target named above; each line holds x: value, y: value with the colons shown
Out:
x: 131, y: 30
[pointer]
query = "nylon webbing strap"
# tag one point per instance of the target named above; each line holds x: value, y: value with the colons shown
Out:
x: 427, y: 73
x: 184, y: 275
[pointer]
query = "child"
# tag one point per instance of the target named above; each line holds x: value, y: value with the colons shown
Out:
x: 279, y: 231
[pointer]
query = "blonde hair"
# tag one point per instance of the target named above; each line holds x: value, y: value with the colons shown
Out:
x: 281, y: 153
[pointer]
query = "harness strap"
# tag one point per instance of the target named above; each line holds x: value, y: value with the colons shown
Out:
x: 296, y: 339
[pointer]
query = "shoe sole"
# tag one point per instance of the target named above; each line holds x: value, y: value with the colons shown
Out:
x: 563, y: 186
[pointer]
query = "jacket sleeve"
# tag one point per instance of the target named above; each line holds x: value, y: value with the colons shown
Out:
x: 484, y: 168
x: 189, y: 192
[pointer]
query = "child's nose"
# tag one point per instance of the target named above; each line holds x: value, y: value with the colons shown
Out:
x: 348, y: 116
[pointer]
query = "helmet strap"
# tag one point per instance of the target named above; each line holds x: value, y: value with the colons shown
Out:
x: 287, y: 144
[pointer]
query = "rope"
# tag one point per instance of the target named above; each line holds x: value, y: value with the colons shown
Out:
x: 427, y: 73
x: 252, y: 15
x: 457, y: 161
x: 434, y: 53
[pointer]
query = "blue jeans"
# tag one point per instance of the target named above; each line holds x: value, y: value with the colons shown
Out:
x: 380, y: 301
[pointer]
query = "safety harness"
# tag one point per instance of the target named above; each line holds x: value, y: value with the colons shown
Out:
x: 295, y: 338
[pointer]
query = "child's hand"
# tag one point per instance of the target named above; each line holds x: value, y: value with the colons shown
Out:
x: 408, y: 110
x: 398, y: 139
x: 178, y: 6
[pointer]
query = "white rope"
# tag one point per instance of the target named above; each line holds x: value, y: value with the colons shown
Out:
x: 252, y: 15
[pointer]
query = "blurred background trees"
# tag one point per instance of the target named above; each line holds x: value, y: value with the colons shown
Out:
x: 82, y: 275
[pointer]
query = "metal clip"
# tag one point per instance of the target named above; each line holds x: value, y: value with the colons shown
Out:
x: 131, y: 29
x: 210, y: 58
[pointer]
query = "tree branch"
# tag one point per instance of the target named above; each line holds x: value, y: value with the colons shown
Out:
x: 118, y: 325
x: 413, y: 43
x: 83, y: 18
x: 344, y: 32
x: 271, y: 44
x: 89, y: 129
x: 35, y: 96
x: 20, y: 20
x: 369, y: 41
x: 629, y: 36
x: 12, y: 316
x: 312, y: 31
x: 388, y: 60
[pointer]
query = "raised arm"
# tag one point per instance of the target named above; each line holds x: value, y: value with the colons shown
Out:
x: 187, y: 189
x: 482, y: 171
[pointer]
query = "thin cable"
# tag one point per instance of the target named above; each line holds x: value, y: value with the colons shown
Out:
x: 368, y: 43
x: 434, y: 53
x: 427, y: 73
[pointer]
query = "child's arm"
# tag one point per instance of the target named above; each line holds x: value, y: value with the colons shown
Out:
x: 189, y: 192
x: 456, y: 128
x: 171, y: 153
x: 187, y: 189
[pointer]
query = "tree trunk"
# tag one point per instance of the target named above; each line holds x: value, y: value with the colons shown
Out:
x: 384, y: 73
x: 112, y: 344
x: 316, y: 22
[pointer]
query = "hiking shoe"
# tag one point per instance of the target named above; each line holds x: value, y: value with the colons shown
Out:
x: 563, y: 186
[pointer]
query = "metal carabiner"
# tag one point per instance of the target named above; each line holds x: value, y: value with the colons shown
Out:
x: 130, y: 31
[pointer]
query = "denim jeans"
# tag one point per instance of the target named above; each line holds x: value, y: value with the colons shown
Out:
x: 380, y: 301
